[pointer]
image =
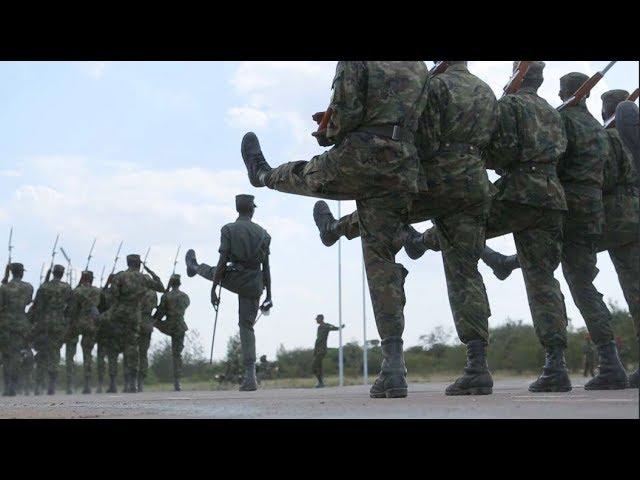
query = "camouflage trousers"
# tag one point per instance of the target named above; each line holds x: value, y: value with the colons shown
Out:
x: 47, y: 356
x: 624, y: 251
x: 125, y: 320
x: 247, y: 313
x: 86, y: 344
x: 177, y: 345
x: 144, y: 341
x: 462, y: 219
x: 316, y: 366
x: 15, y: 351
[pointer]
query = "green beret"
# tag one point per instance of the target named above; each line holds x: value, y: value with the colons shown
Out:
x: 58, y: 269
x: 571, y: 82
x: 16, y: 268
x: 134, y: 257
x: 614, y: 96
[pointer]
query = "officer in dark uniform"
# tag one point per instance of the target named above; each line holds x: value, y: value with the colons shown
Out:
x: 243, y: 268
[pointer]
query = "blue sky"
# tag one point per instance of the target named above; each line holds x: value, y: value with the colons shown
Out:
x: 148, y: 153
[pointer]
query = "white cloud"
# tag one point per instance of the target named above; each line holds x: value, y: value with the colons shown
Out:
x: 94, y: 70
x: 247, y: 118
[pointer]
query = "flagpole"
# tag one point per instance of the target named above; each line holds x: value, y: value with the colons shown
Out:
x: 340, y: 353
x: 365, y: 366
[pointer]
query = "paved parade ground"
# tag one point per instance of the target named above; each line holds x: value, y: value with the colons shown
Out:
x: 426, y: 400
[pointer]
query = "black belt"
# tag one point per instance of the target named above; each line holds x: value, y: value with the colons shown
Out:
x: 458, y: 148
x: 394, y: 132
x: 241, y: 266
x: 534, y: 167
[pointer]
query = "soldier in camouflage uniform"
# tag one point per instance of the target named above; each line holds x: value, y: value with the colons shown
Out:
x: 375, y: 109
x: 173, y: 304
x: 106, y: 339
x: 149, y: 302
x: 83, y: 317
x: 320, y: 348
x: 50, y: 326
x: 530, y: 203
x: 15, y: 295
x: 129, y: 287
x: 243, y: 268
x: 455, y: 122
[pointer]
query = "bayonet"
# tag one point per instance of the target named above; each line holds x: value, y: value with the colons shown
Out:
x: 101, y: 276
x: 42, y: 272
x: 66, y: 257
x: 146, y: 255
x: 90, y: 254
x: 10, y: 246
x: 175, y: 261
x: 53, y: 256
x: 115, y: 261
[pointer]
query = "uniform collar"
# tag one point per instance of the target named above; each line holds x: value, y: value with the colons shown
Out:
x: 243, y: 218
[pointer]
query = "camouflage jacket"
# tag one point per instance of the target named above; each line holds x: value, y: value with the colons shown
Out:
x: 322, y: 336
x: 530, y: 133
x: 129, y: 286
x: 173, y: 304
x: 50, y: 307
x: 14, y: 298
x: 378, y: 94
x: 581, y: 170
x: 148, y: 303
x: 619, y: 191
x: 457, y: 122
x: 83, y: 306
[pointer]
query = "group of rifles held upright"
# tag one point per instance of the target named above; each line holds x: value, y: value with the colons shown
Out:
x: 408, y: 144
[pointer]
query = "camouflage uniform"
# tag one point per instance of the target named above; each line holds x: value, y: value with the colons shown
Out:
x: 173, y: 304
x: 589, y: 356
x: 14, y: 330
x: 83, y: 310
x: 460, y: 116
x: 368, y: 166
x: 621, y: 230
x: 129, y: 287
x: 149, y: 302
x: 320, y: 348
x: 50, y: 326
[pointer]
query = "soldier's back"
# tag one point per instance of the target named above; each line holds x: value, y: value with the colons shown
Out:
x: 129, y: 287
x: 246, y: 240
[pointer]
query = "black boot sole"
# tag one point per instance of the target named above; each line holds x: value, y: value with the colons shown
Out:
x: 470, y: 391
x: 550, y: 389
x: 610, y: 386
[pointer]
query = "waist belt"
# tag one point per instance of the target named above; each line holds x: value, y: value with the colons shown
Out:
x: 533, y: 167
x: 585, y: 189
x: 458, y: 148
x: 394, y: 132
x: 241, y: 266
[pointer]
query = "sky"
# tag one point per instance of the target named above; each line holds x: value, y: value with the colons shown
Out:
x: 148, y: 153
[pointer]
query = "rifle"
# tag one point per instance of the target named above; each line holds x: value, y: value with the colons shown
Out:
x: 115, y: 261
x: 41, y: 273
x: 66, y: 257
x: 6, y: 271
x: 611, y: 122
x: 515, y: 82
x: 53, y: 256
x: 101, y: 276
x: 585, y: 88
x: 175, y: 262
x: 215, y: 324
x: 438, y: 68
x: 146, y: 255
x: 90, y: 255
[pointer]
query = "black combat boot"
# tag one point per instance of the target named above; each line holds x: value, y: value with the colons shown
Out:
x: 320, y: 383
x: 87, y: 385
x: 502, y: 265
x: 257, y: 166
x: 51, y: 389
x: 477, y: 378
x: 112, y: 384
x: 69, y: 385
x: 140, y: 383
x: 413, y: 244
x: 125, y: 383
x: 555, y: 376
x: 176, y: 385
x: 392, y: 380
x: 329, y: 228
x: 611, y: 374
x: 100, y: 382
x: 132, y: 387
x: 249, y: 384
x: 191, y: 262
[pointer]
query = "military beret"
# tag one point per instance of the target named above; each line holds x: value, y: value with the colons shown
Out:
x: 134, y: 257
x: 58, y: 269
x: 174, y: 278
x: 571, y: 82
x: 320, y: 317
x: 16, y: 267
x: 615, y: 96
x: 87, y: 273
x: 244, y: 200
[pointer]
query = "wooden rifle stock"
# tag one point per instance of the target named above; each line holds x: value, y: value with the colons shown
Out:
x: 515, y: 82
x: 324, y: 122
x: 611, y: 122
x: 439, y: 67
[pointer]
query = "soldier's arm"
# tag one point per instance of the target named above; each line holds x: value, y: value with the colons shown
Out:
x: 429, y: 124
x: 266, y: 277
x: 225, y: 248
x: 161, y: 311
x: 505, y: 143
x: 348, y: 101
x: 569, y: 135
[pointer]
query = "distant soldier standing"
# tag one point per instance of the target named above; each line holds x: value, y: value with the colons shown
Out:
x: 129, y: 287
x: 173, y: 304
x: 243, y: 268
x: 83, y: 316
x: 320, y: 348
x: 15, y: 295
x: 50, y: 326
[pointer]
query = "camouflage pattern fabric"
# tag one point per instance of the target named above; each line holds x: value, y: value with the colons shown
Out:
x: 589, y: 359
x: 82, y: 322
x: 149, y: 302
x: 15, y: 329
x: 173, y: 305
x: 50, y: 326
x: 320, y: 348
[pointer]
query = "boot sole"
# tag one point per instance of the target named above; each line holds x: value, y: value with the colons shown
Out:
x: 550, y: 389
x: 391, y: 393
x: 615, y: 386
x: 471, y: 391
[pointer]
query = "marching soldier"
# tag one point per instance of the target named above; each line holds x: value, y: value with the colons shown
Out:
x: 50, y: 326
x: 244, y: 249
x: 320, y: 348
x: 15, y: 328
x: 173, y: 304
x: 149, y: 302
x: 83, y: 317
